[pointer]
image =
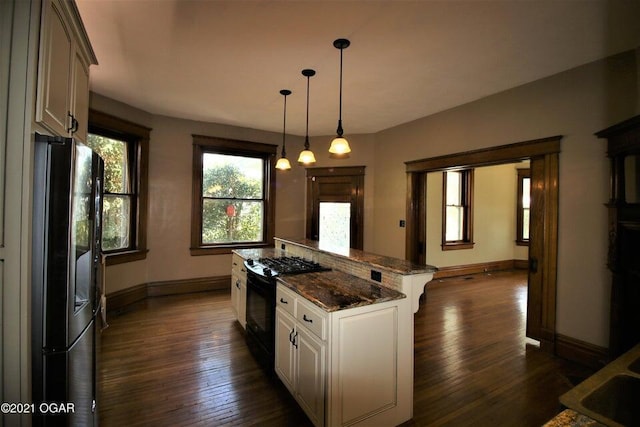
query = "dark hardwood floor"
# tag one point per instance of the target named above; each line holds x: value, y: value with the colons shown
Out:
x: 182, y: 360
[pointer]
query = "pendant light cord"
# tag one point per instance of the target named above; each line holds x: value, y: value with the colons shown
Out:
x: 284, y: 126
x: 306, y: 138
x: 340, y: 131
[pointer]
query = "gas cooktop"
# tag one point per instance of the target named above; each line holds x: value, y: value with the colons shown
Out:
x: 284, y: 265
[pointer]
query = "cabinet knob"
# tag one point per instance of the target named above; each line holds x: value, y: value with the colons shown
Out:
x: 282, y: 300
x: 306, y: 319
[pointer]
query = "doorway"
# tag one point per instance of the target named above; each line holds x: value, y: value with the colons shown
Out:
x: 335, y: 206
x: 543, y: 155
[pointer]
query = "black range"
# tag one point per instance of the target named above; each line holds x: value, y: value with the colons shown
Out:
x: 261, y: 301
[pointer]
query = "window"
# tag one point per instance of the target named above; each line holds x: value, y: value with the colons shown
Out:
x: 457, y: 209
x: 233, y: 195
x: 124, y: 147
x: 524, y: 207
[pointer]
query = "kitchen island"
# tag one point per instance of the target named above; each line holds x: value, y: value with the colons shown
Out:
x: 344, y: 338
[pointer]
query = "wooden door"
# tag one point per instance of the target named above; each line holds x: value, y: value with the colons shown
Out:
x: 543, y: 243
x: 336, y: 185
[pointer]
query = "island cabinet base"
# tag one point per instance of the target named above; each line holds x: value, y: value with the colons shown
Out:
x: 361, y: 372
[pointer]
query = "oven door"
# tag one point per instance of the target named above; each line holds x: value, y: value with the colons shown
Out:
x: 261, y: 317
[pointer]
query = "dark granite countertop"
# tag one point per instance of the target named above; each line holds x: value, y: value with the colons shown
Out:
x: 335, y: 290
x: 256, y: 253
x: 395, y: 265
x: 571, y: 418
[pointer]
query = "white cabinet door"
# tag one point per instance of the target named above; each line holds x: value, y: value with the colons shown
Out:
x: 62, y: 103
x: 235, y: 293
x: 55, y: 74
x: 285, y: 351
x: 310, y: 374
x: 242, y: 303
x: 239, y: 289
x: 80, y: 105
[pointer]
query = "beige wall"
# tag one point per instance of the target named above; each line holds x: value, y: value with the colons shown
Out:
x: 170, y: 175
x: 494, y: 219
x: 574, y: 104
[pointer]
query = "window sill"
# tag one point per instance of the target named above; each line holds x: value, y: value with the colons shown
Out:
x: 225, y: 249
x: 123, y: 257
x: 457, y: 245
x: 522, y: 242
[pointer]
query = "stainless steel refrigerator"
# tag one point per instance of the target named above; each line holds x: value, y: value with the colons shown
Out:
x: 66, y: 276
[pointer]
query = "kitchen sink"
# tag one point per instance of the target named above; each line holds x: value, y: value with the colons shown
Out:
x: 611, y: 396
x: 617, y: 399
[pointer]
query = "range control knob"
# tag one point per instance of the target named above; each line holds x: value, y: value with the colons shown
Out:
x: 250, y: 261
x: 267, y: 271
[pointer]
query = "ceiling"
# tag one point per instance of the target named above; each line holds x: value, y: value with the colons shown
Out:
x: 225, y: 61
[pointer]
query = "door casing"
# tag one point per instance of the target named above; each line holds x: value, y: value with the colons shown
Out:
x: 543, y: 248
x: 337, y: 184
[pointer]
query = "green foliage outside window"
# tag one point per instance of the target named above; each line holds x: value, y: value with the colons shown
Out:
x: 232, y: 206
x: 117, y: 201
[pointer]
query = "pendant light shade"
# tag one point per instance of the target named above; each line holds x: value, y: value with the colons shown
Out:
x: 340, y: 146
x: 307, y: 157
x: 283, y: 162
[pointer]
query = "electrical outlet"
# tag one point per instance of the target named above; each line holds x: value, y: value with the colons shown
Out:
x: 282, y: 246
x: 402, y: 223
x: 376, y: 275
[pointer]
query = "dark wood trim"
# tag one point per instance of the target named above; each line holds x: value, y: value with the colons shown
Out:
x: 454, y: 246
x: 226, y: 249
x: 483, y: 267
x: 541, y: 307
x: 267, y: 152
x: 120, y: 299
x: 234, y: 146
x: 336, y: 171
x: 521, y: 264
x: 186, y: 286
x: 488, y: 156
x: 581, y: 352
x: 116, y: 124
x: 123, y: 257
x: 416, y: 206
x: 354, y: 175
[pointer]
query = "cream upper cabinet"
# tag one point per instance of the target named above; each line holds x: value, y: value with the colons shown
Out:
x: 62, y: 104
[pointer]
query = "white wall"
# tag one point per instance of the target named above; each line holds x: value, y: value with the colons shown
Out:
x: 494, y: 218
x: 170, y: 175
x: 574, y: 104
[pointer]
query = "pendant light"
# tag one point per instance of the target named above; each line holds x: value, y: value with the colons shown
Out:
x: 306, y: 156
x: 283, y: 162
x: 340, y: 146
